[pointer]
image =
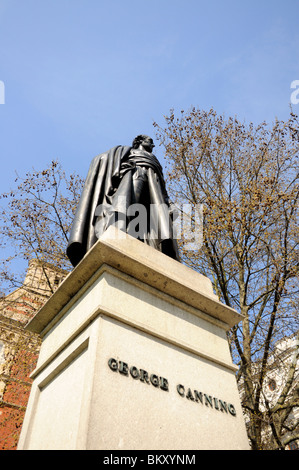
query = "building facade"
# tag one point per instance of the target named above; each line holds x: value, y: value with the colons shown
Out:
x: 19, y: 348
x: 278, y: 414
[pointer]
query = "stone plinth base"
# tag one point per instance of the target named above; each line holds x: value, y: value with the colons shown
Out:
x: 134, y: 356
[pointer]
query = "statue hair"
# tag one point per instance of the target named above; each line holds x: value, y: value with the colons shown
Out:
x: 137, y: 141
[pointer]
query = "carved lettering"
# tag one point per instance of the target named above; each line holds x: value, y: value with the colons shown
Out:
x: 208, y: 400
x: 123, y: 368
x: 154, y: 380
x: 181, y: 390
x: 189, y: 395
x: 232, y: 409
x: 144, y: 376
x: 198, y: 396
x: 134, y: 372
x: 141, y: 374
x: 113, y: 364
x: 223, y: 406
x: 162, y: 383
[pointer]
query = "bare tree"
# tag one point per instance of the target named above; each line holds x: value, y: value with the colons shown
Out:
x: 35, y: 221
x: 246, y: 179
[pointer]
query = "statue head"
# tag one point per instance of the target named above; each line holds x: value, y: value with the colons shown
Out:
x: 145, y: 141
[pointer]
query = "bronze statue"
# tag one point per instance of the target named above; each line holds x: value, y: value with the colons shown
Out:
x: 120, y: 183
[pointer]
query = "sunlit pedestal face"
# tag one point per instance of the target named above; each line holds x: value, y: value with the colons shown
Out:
x: 134, y: 356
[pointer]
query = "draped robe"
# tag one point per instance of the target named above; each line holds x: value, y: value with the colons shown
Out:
x: 109, y: 192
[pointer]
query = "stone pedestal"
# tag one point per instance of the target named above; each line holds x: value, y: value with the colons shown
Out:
x: 134, y: 356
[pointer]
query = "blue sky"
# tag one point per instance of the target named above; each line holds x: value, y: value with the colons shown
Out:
x: 81, y: 76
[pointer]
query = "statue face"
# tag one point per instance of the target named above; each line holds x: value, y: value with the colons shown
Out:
x: 148, y: 144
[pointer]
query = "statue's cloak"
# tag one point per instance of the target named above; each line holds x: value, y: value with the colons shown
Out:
x: 103, y: 178
x: 99, y: 183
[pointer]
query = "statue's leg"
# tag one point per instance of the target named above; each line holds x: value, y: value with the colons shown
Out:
x: 140, y: 208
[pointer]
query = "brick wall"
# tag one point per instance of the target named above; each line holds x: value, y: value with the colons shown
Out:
x: 19, y: 348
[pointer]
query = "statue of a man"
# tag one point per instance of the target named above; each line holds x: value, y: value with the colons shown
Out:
x: 124, y: 187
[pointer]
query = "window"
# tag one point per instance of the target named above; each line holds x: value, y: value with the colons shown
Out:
x: 272, y: 385
x: 56, y: 281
